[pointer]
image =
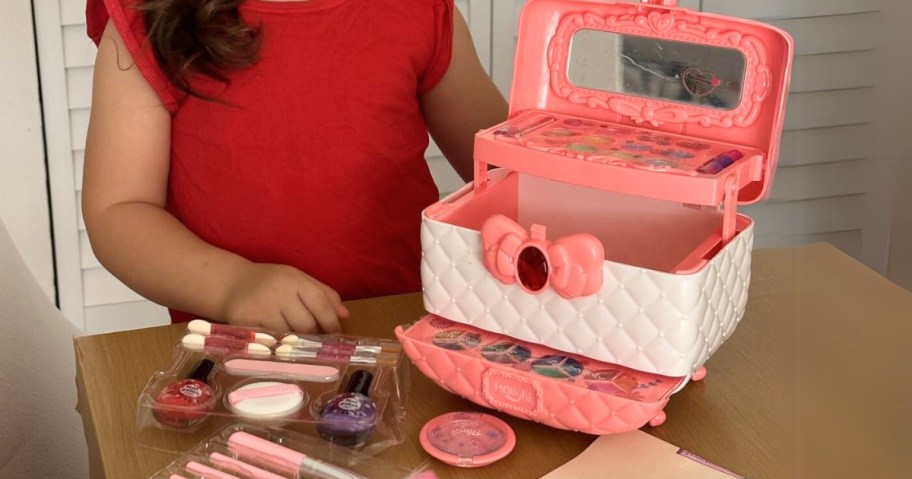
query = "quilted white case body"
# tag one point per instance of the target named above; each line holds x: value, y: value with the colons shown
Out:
x: 648, y: 320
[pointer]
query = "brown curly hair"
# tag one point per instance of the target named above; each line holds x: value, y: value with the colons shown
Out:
x: 207, y: 37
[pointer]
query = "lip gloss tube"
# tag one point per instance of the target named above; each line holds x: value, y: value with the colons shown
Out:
x: 205, y: 328
x: 374, y: 346
x: 276, y: 455
x: 288, y: 351
x: 224, y: 345
x: 207, y: 472
x: 241, y: 468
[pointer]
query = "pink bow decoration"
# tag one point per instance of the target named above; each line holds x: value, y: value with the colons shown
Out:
x: 572, y: 265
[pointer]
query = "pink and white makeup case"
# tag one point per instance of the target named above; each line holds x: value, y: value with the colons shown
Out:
x: 596, y: 271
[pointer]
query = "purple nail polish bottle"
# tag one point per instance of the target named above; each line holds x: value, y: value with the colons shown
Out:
x: 348, y: 419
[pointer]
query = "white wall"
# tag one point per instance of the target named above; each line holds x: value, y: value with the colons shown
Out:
x: 23, y: 180
x: 893, y: 105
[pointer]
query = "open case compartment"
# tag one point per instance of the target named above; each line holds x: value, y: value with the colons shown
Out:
x: 642, y: 315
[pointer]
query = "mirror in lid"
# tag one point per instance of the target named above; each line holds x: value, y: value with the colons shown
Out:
x: 698, y: 75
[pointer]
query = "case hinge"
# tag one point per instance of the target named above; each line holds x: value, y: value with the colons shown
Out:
x: 730, y: 209
x: 481, y: 176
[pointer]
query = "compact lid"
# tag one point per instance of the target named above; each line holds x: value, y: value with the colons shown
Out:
x: 467, y: 439
x: 653, y: 65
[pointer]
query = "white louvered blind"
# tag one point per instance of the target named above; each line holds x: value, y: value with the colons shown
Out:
x: 824, y: 188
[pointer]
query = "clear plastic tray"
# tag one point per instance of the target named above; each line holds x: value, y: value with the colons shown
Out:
x: 287, y: 387
x: 241, y: 450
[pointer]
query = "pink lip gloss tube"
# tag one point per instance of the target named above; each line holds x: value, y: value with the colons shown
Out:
x: 207, y: 472
x: 241, y: 468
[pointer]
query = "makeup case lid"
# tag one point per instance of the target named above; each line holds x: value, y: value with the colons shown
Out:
x: 657, y: 66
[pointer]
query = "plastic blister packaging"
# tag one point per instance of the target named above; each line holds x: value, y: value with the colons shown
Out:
x: 246, y: 451
x: 345, y: 390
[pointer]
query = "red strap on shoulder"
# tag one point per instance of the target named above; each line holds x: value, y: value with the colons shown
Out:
x: 129, y: 23
x: 443, y: 51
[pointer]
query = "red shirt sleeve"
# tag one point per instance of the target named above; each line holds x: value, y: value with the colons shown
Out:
x: 443, y: 49
x: 131, y: 26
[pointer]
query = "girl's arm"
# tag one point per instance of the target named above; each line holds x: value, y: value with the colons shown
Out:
x: 463, y: 102
x: 124, y: 191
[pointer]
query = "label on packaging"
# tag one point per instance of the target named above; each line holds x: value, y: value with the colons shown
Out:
x: 511, y: 391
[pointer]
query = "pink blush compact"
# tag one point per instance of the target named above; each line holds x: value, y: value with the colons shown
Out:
x: 467, y: 439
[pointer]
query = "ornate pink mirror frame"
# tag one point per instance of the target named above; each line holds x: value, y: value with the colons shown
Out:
x: 668, y: 25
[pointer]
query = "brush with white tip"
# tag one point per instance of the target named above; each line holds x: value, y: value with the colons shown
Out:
x: 224, y: 344
x: 205, y: 328
x: 329, y: 343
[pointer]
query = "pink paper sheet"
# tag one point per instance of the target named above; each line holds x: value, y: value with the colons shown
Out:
x: 637, y: 455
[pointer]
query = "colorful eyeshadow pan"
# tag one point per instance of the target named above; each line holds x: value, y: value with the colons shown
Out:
x: 597, y: 139
x: 636, y: 146
x: 681, y: 154
x: 650, y: 137
x: 557, y: 366
x: 559, y: 132
x: 506, y: 353
x: 604, y: 387
x: 457, y: 340
x: 620, y: 379
x: 582, y: 147
x: 612, y: 130
x: 693, y: 145
x: 659, y: 163
x: 624, y: 156
x: 543, y: 143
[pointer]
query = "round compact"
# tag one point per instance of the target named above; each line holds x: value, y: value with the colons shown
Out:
x: 467, y: 439
x: 267, y: 400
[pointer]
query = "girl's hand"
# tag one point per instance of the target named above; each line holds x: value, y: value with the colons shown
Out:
x: 282, y: 298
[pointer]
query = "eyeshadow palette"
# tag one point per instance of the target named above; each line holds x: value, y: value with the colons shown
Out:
x: 542, y: 362
x: 617, y: 145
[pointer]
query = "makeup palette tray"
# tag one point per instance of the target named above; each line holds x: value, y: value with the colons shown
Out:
x: 343, y: 390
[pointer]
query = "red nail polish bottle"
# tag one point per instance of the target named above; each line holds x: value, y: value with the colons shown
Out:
x: 185, y: 403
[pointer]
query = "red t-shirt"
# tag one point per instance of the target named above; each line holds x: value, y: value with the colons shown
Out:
x: 314, y: 157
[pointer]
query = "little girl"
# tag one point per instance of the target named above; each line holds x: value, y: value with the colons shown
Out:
x: 259, y: 161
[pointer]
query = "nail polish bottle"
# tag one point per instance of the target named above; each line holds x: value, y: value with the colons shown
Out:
x: 185, y: 403
x: 348, y: 418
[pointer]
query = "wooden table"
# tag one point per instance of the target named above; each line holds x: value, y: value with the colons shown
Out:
x: 810, y: 385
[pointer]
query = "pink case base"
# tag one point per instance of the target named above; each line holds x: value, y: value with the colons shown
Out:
x: 552, y: 402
